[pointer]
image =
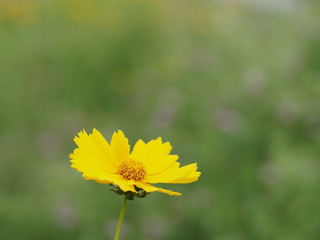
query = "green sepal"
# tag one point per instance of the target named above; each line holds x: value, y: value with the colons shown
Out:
x: 129, y: 195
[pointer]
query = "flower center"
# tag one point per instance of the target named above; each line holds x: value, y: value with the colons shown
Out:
x: 132, y: 169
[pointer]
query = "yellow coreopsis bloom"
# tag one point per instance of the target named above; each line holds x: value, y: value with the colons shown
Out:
x: 114, y: 163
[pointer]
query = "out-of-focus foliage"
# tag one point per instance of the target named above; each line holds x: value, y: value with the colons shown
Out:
x: 233, y: 85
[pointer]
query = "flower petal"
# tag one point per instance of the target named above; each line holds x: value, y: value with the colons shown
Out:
x: 175, y: 174
x: 124, y: 184
x: 120, y: 146
x: 192, y: 177
x: 116, y: 179
x: 100, y: 177
x: 93, y: 154
x: 155, y: 155
x: 149, y: 188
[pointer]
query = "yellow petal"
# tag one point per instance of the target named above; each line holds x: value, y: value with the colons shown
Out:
x: 100, y: 177
x: 192, y: 177
x: 138, y: 148
x: 149, y: 188
x: 124, y: 184
x: 154, y: 155
x: 104, y: 146
x: 93, y: 154
x: 116, y: 179
x: 175, y: 174
x: 120, y: 146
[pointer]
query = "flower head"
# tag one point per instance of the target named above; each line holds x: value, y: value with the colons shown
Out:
x: 114, y: 163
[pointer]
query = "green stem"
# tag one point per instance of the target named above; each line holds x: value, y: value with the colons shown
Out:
x: 123, y: 209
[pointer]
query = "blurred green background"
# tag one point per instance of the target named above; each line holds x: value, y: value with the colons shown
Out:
x: 233, y: 85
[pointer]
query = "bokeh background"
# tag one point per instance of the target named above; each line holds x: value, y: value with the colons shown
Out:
x: 233, y: 85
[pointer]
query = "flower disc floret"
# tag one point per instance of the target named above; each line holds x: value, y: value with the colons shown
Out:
x: 132, y: 169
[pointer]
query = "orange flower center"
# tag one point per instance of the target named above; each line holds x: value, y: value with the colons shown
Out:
x: 132, y: 169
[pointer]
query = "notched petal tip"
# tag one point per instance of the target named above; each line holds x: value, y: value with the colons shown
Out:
x: 80, y: 134
x: 94, y: 130
x: 71, y: 156
x: 120, y: 132
x: 118, y: 135
x: 83, y: 132
x: 159, y: 139
x: 76, y: 137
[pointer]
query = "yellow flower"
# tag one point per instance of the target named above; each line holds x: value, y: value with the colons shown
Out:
x: 114, y: 163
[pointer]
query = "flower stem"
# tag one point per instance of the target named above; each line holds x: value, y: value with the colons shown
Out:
x: 123, y: 209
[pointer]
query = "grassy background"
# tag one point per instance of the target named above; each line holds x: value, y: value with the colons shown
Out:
x: 233, y: 85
